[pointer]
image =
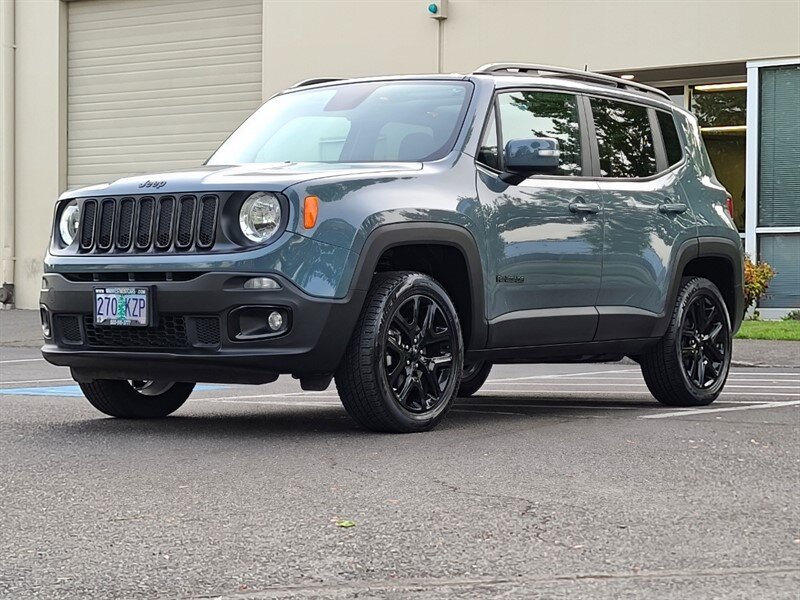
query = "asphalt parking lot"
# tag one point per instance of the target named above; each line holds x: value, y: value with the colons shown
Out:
x: 557, y: 481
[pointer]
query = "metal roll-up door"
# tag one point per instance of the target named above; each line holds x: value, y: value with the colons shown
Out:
x: 155, y: 85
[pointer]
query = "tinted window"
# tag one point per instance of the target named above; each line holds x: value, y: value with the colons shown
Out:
x: 672, y: 143
x: 624, y: 139
x: 487, y: 153
x: 544, y: 115
x: 356, y: 122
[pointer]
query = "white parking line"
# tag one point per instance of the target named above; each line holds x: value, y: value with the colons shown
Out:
x: 268, y: 402
x: 21, y: 360
x: 643, y: 392
x: 34, y: 381
x: 702, y: 411
x: 596, y: 384
x: 557, y: 375
x: 281, y: 395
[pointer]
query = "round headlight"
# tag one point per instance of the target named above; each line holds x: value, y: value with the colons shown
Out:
x: 68, y: 223
x: 260, y: 217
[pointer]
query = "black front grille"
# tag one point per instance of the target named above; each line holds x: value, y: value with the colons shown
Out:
x: 149, y: 223
x: 170, y: 333
x: 173, y: 332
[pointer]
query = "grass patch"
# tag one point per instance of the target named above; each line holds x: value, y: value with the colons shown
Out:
x: 770, y: 330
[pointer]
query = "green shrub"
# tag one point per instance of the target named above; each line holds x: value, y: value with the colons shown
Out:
x: 757, y: 277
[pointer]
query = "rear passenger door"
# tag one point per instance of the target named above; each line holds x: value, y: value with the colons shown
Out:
x: 544, y: 234
x: 647, y: 215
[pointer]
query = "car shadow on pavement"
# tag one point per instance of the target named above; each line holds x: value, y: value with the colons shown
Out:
x: 253, y: 422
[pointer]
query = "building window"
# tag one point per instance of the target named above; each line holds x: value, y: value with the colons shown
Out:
x: 779, y: 148
x: 721, y: 110
x: 782, y: 251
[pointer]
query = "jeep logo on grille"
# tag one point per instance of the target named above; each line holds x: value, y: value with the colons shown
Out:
x: 153, y: 184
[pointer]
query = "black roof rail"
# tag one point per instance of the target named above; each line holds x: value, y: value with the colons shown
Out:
x: 548, y: 71
x: 316, y: 80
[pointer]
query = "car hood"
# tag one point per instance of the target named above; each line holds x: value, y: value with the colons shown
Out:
x: 272, y: 177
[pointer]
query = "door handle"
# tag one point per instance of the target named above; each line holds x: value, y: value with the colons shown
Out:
x: 674, y: 208
x: 583, y: 208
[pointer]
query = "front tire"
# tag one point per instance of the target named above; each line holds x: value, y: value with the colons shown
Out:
x: 136, y: 399
x: 401, y: 370
x: 690, y: 364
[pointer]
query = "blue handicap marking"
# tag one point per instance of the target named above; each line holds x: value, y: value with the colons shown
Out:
x: 73, y: 391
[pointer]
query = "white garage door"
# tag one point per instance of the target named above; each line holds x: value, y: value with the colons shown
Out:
x: 157, y: 84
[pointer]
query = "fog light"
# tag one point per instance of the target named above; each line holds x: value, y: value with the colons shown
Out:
x: 45, y: 315
x: 275, y: 320
x: 262, y: 283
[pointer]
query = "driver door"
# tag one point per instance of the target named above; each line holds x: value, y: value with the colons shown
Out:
x: 544, y: 234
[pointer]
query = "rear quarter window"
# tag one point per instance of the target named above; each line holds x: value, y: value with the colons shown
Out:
x: 669, y: 133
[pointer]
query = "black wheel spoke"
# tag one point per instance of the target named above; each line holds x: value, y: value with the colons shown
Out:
x: 427, y: 322
x: 430, y: 380
x: 708, y: 319
x: 714, y: 353
x: 715, y: 331
x: 701, y: 370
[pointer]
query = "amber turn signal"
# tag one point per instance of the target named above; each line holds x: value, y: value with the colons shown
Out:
x: 310, y: 211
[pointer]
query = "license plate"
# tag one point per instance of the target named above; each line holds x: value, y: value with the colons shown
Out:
x: 123, y: 306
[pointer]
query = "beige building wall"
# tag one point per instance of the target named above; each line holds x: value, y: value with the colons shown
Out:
x: 309, y: 38
x: 40, y: 142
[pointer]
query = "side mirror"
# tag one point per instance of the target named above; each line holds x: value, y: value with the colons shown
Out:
x: 526, y: 157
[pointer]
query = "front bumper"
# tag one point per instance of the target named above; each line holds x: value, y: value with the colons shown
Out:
x: 193, y: 334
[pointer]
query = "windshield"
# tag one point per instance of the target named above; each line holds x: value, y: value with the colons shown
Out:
x: 405, y: 121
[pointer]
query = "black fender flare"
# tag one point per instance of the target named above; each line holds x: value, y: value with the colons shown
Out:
x: 706, y: 247
x: 720, y: 247
x: 420, y: 232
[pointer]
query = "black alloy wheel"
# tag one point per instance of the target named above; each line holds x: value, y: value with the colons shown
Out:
x: 418, y: 357
x: 704, y: 341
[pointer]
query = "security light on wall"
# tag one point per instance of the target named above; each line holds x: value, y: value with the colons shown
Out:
x: 436, y: 9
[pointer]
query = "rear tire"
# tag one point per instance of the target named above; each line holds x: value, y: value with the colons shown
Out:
x: 402, y: 367
x: 473, y: 377
x: 136, y: 400
x: 690, y: 364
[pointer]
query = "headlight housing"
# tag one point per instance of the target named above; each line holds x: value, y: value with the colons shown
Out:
x: 68, y: 222
x: 260, y: 217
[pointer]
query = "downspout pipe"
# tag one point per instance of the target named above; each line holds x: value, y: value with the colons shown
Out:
x: 7, y: 138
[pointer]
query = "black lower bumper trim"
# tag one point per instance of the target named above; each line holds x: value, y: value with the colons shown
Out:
x: 314, y: 345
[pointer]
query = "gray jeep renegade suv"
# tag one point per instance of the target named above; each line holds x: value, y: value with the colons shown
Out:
x: 401, y: 235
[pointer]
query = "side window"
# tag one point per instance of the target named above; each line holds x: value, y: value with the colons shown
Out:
x: 544, y: 115
x: 487, y: 153
x: 624, y: 139
x: 669, y: 133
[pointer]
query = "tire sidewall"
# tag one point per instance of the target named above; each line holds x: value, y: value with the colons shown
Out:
x: 691, y: 292
x: 413, y: 285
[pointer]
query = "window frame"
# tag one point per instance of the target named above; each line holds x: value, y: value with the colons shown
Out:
x: 494, y: 109
x: 590, y: 151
